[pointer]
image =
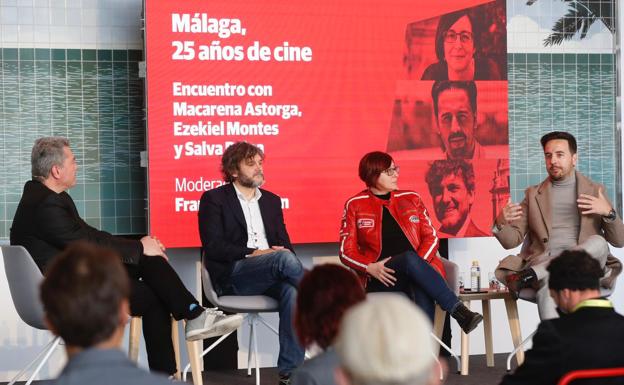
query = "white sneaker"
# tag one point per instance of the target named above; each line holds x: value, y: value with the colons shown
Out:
x: 211, y: 323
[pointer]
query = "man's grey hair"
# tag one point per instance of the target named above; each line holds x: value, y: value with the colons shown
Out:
x: 46, y: 153
x: 386, y: 340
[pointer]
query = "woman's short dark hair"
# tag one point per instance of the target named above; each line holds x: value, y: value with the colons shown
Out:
x: 82, y: 294
x: 325, y: 294
x: 372, y: 165
x: 234, y: 154
x: 446, y: 21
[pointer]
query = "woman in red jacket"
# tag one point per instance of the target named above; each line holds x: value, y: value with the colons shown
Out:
x: 388, y: 239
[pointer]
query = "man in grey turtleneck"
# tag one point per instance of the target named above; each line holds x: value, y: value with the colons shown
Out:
x: 567, y: 210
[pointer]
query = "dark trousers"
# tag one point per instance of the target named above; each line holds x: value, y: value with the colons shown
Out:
x: 419, y: 281
x: 157, y: 293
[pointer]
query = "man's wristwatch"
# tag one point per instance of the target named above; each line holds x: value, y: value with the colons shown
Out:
x: 611, y: 216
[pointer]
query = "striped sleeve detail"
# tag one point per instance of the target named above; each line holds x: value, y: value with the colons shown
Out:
x: 344, y: 235
x: 408, y: 193
x: 428, y: 255
x: 356, y: 263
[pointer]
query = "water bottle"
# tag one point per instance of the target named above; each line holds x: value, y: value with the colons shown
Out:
x: 475, y: 276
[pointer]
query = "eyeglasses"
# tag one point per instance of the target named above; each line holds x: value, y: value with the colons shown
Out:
x: 392, y: 171
x: 451, y: 36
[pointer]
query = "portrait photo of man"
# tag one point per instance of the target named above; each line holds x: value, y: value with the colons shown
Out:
x: 451, y: 184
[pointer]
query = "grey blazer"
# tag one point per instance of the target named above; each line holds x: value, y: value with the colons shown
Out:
x: 106, y: 367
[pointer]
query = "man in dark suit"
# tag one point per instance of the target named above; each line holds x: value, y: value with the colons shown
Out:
x: 246, y: 247
x: 47, y: 221
x: 588, y: 335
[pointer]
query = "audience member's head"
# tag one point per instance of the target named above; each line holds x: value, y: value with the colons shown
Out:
x: 85, y: 296
x: 325, y: 294
x: 573, y: 277
x: 235, y: 159
x: 386, y: 340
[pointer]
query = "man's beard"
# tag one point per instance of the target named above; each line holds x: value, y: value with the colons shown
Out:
x: 251, y: 182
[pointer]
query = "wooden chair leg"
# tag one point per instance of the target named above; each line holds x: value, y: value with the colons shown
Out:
x: 514, y: 326
x: 134, y: 338
x: 465, y: 348
x: 194, y: 352
x: 438, y: 324
x: 175, y: 339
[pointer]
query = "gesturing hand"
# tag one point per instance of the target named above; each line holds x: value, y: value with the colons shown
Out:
x: 382, y: 273
x: 511, y: 212
x: 590, y: 204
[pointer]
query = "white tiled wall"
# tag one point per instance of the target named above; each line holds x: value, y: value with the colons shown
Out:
x: 85, y: 24
x: 528, y: 26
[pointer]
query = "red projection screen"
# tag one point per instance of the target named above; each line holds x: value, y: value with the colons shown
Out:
x: 317, y: 84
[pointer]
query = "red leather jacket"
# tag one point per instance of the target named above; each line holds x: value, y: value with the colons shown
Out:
x: 360, y: 234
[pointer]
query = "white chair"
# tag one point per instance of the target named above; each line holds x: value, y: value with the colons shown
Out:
x: 24, y: 278
x: 253, y: 305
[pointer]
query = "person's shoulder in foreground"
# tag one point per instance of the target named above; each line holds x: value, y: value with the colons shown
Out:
x: 106, y: 366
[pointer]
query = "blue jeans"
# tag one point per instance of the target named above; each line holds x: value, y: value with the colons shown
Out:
x: 420, y: 281
x: 276, y: 275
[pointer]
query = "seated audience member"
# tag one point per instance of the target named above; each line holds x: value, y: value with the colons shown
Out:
x: 325, y: 293
x: 85, y: 297
x: 386, y: 340
x: 47, y: 221
x: 388, y: 239
x: 457, y: 50
x: 246, y: 247
x: 588, y: 335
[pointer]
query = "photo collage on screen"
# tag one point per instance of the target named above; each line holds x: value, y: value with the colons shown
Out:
x: 449, y: 126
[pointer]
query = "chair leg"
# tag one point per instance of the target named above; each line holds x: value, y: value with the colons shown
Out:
x: 448, y: 349
x: 134, y: 338
x: 265, y: 323
x: 255, y: 347
x: 517, y: 349
x: 34, y: 361
x: 208, y: 349
x: 514, y: 327
x: 438, y: 323
x: 175, y: 339
x: 252, y: 324
x: 57, y: 340
x: 195, y: 361
x: 437, y: 360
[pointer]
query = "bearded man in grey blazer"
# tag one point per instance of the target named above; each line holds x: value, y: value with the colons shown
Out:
x: 567, y: 210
